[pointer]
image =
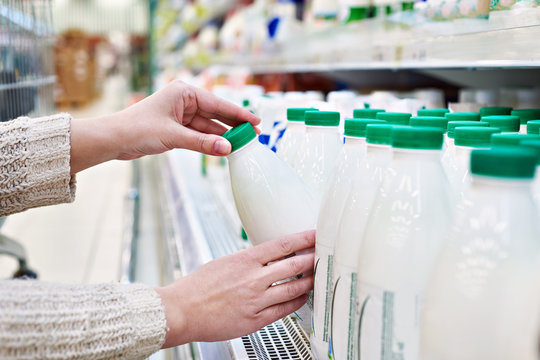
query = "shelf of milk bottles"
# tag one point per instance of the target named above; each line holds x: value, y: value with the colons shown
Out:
x: 465, y: 43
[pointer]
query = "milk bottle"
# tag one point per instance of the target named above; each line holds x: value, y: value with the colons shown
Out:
x: 526, y: 115
x: 466, y: 138
x: 483, y: 294
x: 402, y: 239
x: 271, y: 199
x: 294, y: 135
x: 327, y: 228
x: 347, y: 245
x: 316, y: 158
x: 535, y: 145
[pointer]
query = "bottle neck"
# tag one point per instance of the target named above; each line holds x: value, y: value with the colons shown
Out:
x: 496, y: 183
x: 295, y: 124
x: 399, y: 153
x: 354, y: 141
x: 250, y: 146
x: 321, y: 129
x: 378, y: 148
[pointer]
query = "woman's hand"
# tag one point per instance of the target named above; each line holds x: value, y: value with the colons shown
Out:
x: 178, y: 116
x: 233, y: 296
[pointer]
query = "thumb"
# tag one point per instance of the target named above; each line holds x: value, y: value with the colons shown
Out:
x: 209, y: 144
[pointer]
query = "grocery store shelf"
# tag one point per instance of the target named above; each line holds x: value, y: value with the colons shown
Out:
x: 198, y: 226
x: 47, y: 80
x: 487, y: 47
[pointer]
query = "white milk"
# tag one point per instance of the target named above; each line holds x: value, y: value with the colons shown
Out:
x: 403, y: 236
x: 271, y: 199
x: 317, y: 157
x: 327, y: 229
x: 294, y: 135
x: 457, y: 168
x: 535, y: 145
x: 366, y: 182
x: 483, y: 295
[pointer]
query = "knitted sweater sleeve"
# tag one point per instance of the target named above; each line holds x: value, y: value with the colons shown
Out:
x: 34, y: 163
x: 52, y: 321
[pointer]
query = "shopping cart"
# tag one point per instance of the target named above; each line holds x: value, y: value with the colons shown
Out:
x: 26, y: 81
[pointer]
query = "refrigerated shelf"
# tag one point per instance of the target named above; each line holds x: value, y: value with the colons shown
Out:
x: 200, y: 224
x: 487, y: 47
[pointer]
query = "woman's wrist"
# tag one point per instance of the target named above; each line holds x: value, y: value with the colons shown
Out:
x: 177, y: 331
x: 93, y: 141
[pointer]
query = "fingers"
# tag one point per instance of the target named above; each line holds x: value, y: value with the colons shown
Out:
x: 213, y: 107
x: 287, y: 268
x: 205, y: 143
x: 286, y: 245
x: 278, y: 311
x: 207, y: 126
x: 287, y: 291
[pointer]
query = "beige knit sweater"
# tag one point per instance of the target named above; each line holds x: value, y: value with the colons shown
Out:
x: 55, y: 321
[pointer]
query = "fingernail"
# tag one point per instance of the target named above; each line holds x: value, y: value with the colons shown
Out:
x: 222, y: 147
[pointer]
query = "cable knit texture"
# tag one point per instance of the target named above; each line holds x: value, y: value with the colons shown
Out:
x: 34, y: 163
x: 53, y: 321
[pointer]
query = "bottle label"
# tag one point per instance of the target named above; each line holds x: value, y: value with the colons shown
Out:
x: 343, y: 319
x: 388, y: 323
x: 322, y: 293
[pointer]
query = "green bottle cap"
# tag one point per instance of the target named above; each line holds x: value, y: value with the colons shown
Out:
x: 245, y: 102
x: 533, y: 127
x: 454, y: 124
x: 505, y: 162
x: 506, y: 123
x: 534, y: 145
x: 495, y: 110
x: 243, y: 234
x: 240, y: 135
x: 432, y: 112
x: 357, y: 127
x: 431, y: 121
x: 526, y: 115
x: 463, y: 116
x: 366, y: 113
x: 394, y: 118
x: 322, y: 118
x: 417, y: 137
x: 380, y: 134
x: 297, y: 114
x: 357, y: 13
x: 474, y: 136
x: 511, y: 139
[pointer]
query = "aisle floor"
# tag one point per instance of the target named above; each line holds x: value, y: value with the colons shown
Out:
x: 78, y: 242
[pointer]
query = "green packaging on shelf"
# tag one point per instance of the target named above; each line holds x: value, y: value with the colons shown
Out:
x: 298, y: 114
x: 366, y: 113
x: 474, y: 136
x: 357, y: 127
x: 322, y: 118
x: 433, y: 112
x: 394, y: 118
x: 507, y: 123
x: 507, y: 162
x: 463, y: 116
x: 452, y: 125
x: 511, y: 139
x: 534, y: 145
x: 379, y: 134
x: 526, y: 115
x: 357, y: 13
x: 431, y: 121
x: 495, y: 110
x: 533, y: 127
x: 417, y: 137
